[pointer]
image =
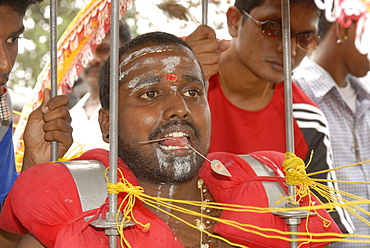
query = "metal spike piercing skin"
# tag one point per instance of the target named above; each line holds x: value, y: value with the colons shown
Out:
x: 216, y: 165
x: 155, y: 140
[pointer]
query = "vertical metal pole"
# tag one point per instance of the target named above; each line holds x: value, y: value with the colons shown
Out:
x: 113, y: 119
x: 285, y: 9
x: 287, y: 76
x: 204, y: 12
x: 53, y: 65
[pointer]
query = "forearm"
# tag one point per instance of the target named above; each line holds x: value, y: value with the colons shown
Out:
x: 9, y: 240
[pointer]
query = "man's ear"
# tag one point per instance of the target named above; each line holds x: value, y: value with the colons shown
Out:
x: 341, y: 32
x: 234, y: 17
x: 104, y: 123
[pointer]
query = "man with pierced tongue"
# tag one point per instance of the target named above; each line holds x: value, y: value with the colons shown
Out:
x: 164, y: 134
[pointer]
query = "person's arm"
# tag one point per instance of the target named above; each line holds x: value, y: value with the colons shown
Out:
x: 9, y: 240
x: 49, y: 122
x: 29, y: 241
x: 207, y: 49
x: 314, y: 126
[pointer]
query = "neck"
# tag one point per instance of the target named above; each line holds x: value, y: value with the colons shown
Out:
x: 94, y: 95
x: 243, y: 88
x: 329, y: 55
x: 91, y: 104
x: 186, y: 190
x: 189, y: 190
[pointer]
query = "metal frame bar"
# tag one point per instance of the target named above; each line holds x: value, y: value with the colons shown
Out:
x: 292, y: 218
x: 204, y: 12
x: 113, y: 119
x: 53, y: 65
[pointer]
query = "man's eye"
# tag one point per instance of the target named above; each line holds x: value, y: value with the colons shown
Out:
x: 192, y: 93
x: 149, y: 95
x: 12, y: 40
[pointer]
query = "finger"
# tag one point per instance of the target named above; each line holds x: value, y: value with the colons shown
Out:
x: 205, y: 46
x: 44, y: 107
x: 55, y: 102
x: 58, y: 113
x: 208, y: 58
x: 223, y: 45
x: 202, y: 32
x: 64, y: 140
x: 57, y: 125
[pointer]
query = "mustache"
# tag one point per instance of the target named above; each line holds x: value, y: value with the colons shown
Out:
x: 161, y: 129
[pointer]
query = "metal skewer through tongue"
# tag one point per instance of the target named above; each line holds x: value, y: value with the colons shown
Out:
x: 153, y: 141
x: 216, y: 165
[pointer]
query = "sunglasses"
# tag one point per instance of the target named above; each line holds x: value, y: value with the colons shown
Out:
x: 307, y: 41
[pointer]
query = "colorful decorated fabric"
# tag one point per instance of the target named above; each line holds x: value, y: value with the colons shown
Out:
x: 74, y: 50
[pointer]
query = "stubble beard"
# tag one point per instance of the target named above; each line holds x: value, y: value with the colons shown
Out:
x: 158, y: 167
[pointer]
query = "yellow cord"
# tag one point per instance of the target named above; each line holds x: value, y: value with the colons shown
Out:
x: 294, y: 168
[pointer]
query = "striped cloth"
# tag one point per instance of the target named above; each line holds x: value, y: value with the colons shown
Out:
x: 349, y: 133
x: 4, y: 108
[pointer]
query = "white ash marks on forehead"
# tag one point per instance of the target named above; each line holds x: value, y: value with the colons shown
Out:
x: 170, y: 63
x: 124, y: 73
x: 138, y: 81
x: 142, y: 52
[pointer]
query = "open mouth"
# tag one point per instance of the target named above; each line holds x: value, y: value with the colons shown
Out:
x: 175, y: 141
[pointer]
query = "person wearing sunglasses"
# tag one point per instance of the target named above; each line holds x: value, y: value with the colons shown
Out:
x: 330, y: 76
x: 246, y: 89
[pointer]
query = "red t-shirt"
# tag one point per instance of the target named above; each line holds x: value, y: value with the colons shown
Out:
x: 240, y: 131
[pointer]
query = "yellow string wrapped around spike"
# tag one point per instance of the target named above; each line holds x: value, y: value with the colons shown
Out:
x: 295, y: 170
x: 158, y: 203
x: 132, y: 192
x: 295, y: 173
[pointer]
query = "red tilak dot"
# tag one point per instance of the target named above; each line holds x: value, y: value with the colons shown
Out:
x: 172, y: 77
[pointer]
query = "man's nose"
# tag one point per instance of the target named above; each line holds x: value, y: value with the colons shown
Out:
x: 293, y: 46
x: 177, y: 108
x: 5, y: 60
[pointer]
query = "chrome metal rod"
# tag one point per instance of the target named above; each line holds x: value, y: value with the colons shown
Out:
x: 287, y: 76
x: 285, y: 10
x: 53, y: 65
x: 113, y: 119
x: 204, y: 12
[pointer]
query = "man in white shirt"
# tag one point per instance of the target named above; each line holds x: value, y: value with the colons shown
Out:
x: 85, y: 124
x: 330, y: 78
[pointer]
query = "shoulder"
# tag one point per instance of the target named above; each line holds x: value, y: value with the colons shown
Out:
x: 40, y: 179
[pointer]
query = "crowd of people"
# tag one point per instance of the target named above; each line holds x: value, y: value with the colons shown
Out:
x: 179, y: 102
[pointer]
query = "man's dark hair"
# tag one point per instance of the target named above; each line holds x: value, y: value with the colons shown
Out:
x: 324, y: 25
x: 248, y: 5
x: 159, y: 38
x: 19, y: 6
x: 124, y: 32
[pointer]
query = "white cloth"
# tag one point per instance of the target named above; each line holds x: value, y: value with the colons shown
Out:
x: 86, y: 132
x: 349, y: 96
x: 349, y: 132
